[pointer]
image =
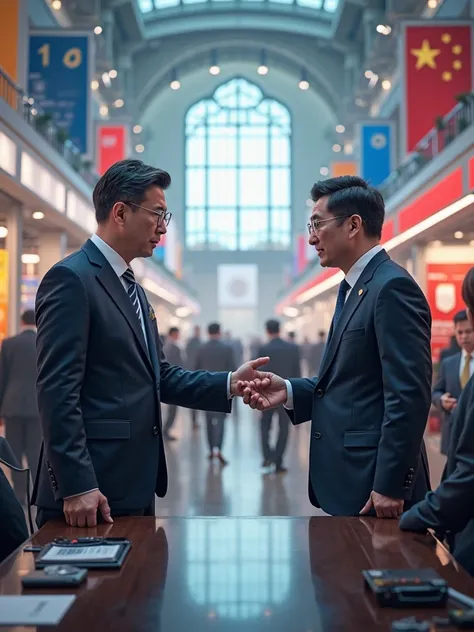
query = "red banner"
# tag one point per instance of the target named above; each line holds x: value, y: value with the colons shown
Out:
x: 111, y: 145
x: 437, y: 67
x: 443, y: 288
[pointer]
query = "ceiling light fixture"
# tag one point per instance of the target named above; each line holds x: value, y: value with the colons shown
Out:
x: 324, y: 171
x: 340, y: 129
x: 30, y: 258
x: 432, y: 4
x: 386, y: 84
x: 175, y: 84
x: 3, y: 232
x: 214, y: 70
x: 368, y: 74
x: 139, y: 148
x: 263, y: 68
x: 38, y: 215
x: 103, y: 110
x: 303, y: 84
x: 458, y: 234
x: 137, y: 129
x: 113, y: 73
x: 106, y: 79
x: 95, y: 84
x: 336, y: 148
x: 119, y: 103
x: 214, y: 67
x: 56, y: 5
x: 384, y: 29
x: 98, y: 30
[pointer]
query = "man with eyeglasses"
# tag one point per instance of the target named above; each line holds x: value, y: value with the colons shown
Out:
x: 369, y: 403
x: 102, y: 373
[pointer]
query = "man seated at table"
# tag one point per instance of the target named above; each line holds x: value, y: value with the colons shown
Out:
x: 449, y: 510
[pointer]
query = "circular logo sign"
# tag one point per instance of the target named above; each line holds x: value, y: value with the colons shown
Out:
x: 237, y: 287
x: 378, y: 141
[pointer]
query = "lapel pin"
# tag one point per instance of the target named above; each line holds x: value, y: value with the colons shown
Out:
x: 361, y: 292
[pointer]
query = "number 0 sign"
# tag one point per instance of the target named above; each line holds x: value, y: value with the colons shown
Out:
x: 59, y: 82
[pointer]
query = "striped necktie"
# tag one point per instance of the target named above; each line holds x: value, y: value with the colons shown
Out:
x: 466, y: 370
x: 132, y: 292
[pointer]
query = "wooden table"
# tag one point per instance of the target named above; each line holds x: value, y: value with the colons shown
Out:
x: 251, y: 574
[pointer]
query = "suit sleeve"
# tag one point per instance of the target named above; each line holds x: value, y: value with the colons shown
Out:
x: 303, y: 393
x: 440, y: 387
x: 403, y: 330
x: 62, y: 317
x: 450, y: 508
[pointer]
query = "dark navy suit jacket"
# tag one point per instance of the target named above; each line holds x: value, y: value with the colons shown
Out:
x: 370, y: 402
x: 448, y: 382
x: 100, y: 388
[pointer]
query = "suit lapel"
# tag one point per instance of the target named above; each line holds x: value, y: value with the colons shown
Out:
x: 153, y: 353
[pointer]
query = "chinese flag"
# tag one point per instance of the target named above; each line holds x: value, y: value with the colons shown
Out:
x: 437, y: 66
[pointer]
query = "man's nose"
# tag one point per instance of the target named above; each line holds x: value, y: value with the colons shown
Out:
x: 161, y: 229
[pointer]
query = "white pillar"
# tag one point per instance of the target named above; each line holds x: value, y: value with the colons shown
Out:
x: 52, y: 247
x: 14, y: 244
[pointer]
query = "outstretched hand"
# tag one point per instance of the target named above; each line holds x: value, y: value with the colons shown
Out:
x: 266, y: 391
x: 246, y: 373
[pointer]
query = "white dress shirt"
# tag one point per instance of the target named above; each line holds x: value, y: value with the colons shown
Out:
x: 351, y: 277
x: 463, y: 361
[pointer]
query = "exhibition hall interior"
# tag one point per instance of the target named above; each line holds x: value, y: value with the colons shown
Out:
x: 237, y: 315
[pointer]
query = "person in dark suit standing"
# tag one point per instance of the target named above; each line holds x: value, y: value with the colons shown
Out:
x: 454, y: 374
x: 101, y: 370
x: 18, y: 405
x: 191, y: 351
x: 285, y: 361
x: 316, y: 352
x: 13, y: 530
x: 215, y: 355
x: 449, y: 509
x: 370, y: 402
x: 174, y: 356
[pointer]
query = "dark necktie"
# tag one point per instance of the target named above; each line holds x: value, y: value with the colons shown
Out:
x: 341, y: 299
x: 132, y: 292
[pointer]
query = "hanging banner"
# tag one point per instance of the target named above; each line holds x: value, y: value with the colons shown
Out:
x: 112, y: 145
x: 436, y: 62
x: 3, y: 294
x: 377, y: 151
x: 237, y: 285
x: 59, y: 82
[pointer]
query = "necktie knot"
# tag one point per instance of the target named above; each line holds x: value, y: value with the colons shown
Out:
x: 129, y: 276
x: 341, y: 299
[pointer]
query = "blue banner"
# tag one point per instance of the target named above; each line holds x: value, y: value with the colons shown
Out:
x: 376, y: 151
x: 59, y: 82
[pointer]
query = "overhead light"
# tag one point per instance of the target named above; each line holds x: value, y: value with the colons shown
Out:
x: 34, y: 111
x: 340, y: 129
x: 336, y: 148
x: 437, y: 243
x: 262, y: 70
x: 103, y: 110
x: 373, y: 80
x: 113, y: 73
x: 3, y: 232
x: 119, y: 103
x: 386, y: 84
x: 30, y: 258
x: 384, y: 29
x: 137, y: 129
x: 139, y: 148
x: 471, y: 243
x: 95, y: 84
x: 183, y: 312
x: 38, y: 215
x: 175, y: 84
x: 458, y: 234
x: 348, y: 148
x: 98, y: 30
x: 291, y: 312
x: 56, y: 5
x: 214, y: 70
x: 303, y: 84
x: 368, y: 74
x: 324, y: 171
x: 106, y: 79
x: 432, y: 4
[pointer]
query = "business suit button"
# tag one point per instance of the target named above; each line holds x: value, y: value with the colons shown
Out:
x: 156, y: 430
x: 317, y: 435
x: 411, y: 470
x: 319, y: 392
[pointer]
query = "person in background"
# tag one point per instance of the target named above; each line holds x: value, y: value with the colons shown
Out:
x: 305, y: 353
x: 454, y: 373
x: 18, y: 404
x: 174, y: 356
x: 450, y: 350
x: 285, y: 361
x: 192, y: 347
x: 292, y: 337
x: 254, y: 346
x: 212, y: 354
x: 316, y: 353
x: 449, y: 510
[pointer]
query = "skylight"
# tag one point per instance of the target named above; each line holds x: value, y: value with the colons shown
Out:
x: 329, y: 6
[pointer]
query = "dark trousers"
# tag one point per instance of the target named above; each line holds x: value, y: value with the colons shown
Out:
x: 44, y: 514
x: 172, y: 411
x: 269, y: 454
x: 24, y: 436
x: 215, y: 429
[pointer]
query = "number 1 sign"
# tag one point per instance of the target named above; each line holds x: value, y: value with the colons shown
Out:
x: 59, y: 82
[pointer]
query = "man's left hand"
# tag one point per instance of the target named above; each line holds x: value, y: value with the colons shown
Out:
x: 246, y: 373
x: 385, y: 507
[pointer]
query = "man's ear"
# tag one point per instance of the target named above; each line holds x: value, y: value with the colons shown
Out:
x: 118, y: 212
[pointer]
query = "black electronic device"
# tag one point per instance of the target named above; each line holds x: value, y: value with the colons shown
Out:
x: 55, y: 577
x: 407, y: 588
x: 85, y: 552
x: 463, y: 619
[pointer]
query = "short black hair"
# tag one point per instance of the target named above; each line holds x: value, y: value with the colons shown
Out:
x: 126, y: 181
x: 291, y: 335
x: 214, y: 329
x: 28, y: 318
x: 460, y: 317
x: 351, y: 195
x: 468, y: 290
x: 321, y: 333
x: 272, y: 326
x: 173, y: 330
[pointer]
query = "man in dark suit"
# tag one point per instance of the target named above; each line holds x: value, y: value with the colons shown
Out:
x: 316, y: 352
x: 454, y: 374
x: 284, y: 361
x: 174, y: 356
x: 101, y: 369
x: 192, y: 348
x: 215, y: 355
x: 13, y: 530
x: 370, y: 401
x: 18, y: 405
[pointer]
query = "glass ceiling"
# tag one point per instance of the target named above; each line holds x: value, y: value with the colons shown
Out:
x: 330, y: 6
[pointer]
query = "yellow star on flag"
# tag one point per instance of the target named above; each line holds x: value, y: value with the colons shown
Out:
x: 425, y: 56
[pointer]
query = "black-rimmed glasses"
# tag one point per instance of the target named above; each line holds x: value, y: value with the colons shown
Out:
x: 315, y: 222
x: 162, y: 216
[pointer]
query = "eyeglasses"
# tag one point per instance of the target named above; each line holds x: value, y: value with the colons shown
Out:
x: 162, y: 216
x: 315, y: 223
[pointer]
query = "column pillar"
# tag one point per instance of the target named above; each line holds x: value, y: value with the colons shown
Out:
x: 52, y: 247
x: 14, y: 245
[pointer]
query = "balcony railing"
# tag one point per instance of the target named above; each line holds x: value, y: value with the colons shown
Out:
x: 446, y: 130
x: 43, y: 123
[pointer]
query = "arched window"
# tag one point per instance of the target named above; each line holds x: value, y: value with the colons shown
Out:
x: 238, y: 164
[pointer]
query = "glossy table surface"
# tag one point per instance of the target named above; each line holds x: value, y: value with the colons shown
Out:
x: 186, y: 574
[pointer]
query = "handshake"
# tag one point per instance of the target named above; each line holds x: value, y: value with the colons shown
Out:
x: 259, y: 389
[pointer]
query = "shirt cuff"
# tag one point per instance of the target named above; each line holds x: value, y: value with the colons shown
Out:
x: 289, y: 396
x: 81, y: 494
x: 229, y: 394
